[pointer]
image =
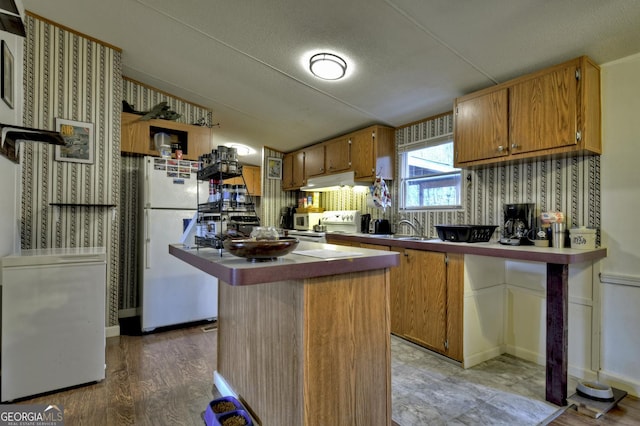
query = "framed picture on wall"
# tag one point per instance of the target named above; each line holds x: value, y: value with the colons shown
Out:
x: 7, y: 75
x: 79, y: 138
x: 274, y: 168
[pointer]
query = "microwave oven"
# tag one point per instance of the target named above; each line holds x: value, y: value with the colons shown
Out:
x: 305, y: 221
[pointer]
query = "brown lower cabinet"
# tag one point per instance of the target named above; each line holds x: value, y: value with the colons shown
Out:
x: 426, y: 300
x: 426, y: 296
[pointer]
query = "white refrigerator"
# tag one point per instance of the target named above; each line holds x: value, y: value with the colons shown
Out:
x: 172, y: 292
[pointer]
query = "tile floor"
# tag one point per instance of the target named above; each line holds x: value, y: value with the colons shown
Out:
x: 428, y: 390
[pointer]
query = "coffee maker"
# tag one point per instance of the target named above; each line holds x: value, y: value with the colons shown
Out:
x: 286, y: 217
x: 518, y: 221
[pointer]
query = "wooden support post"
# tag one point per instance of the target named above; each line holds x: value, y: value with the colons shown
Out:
x: 557, y: 332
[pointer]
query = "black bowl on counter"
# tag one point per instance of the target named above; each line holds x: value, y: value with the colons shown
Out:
x: 465, y: 233
x: 260, y: 250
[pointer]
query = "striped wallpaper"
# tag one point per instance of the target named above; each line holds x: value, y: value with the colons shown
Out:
x: 273, y: 197
x: 71, y: 77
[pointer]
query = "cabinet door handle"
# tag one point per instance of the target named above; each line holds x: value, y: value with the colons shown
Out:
x: 514, y: 146
x: 500, y: 148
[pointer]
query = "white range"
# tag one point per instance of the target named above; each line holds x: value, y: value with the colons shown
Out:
x: 342, y: 221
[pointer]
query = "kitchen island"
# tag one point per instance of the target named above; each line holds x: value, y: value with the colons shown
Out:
x: 304, y: 340
x: 557, y: 262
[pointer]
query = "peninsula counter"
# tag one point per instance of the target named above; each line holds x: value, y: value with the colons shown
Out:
x: 557, y: 262
x: 304, y: 340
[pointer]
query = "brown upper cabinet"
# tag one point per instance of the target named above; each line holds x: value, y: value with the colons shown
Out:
x: 337, y: 154
x: 555, y: 111
x: 373, y: 152
x: 293, y: 170
x: 368, y: 152
x: 137, y: 136
x: 314, y: 161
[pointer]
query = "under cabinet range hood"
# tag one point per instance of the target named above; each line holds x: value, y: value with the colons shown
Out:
x: 333, y: 182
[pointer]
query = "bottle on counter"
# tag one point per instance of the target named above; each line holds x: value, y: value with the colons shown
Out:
x: 226, y: 196
x: 214, y: 194
x: 240, y: 192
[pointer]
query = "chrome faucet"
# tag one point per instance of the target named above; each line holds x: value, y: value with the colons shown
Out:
x: 416, y: 228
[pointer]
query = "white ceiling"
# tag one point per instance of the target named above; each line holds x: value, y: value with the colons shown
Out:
x: 408, y: 58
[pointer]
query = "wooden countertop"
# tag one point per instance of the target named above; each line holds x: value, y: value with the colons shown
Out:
x: 238, y: 271
x: 563, y: 256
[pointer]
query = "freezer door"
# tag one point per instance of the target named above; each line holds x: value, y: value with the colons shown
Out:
x: 55, y: 256
x: 172, y: 184
x: 53, y: 327
x: 173, y: 292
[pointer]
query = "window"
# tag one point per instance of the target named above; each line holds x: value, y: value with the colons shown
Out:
x: 428, y: 179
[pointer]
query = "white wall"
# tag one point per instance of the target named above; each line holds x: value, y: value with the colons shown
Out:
x: 16, y: 47
x: 620, y: 189
x: 9, y: 182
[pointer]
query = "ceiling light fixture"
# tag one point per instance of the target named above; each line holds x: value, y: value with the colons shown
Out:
x: 327, y: 66
x: 241, y: 149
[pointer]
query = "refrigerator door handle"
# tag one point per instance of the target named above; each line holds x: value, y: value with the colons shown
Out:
x: 147, y: 182
x: 147, y: 240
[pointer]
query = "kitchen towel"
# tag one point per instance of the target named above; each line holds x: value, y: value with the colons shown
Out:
x: 380, y: 194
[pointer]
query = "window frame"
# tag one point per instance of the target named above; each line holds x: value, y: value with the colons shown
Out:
x: 402, y: 179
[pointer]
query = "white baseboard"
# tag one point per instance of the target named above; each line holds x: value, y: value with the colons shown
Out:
x: 623, y: 383
x: 222, y: 385
x: 526, y: 354
x: 112, y: 331
x: 582, y: 373
x: 478, y: 357
x: 126, y: 313
x: 577, y: 371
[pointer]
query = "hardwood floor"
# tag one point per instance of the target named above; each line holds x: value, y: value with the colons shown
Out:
x: 627, y: 412
x: 165, y: 378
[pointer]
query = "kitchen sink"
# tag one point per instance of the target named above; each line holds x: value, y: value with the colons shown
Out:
x: 411, y: 238
x: 401, y: 237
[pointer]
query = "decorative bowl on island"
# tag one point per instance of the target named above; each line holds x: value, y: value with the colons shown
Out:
x: 260, y: 250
